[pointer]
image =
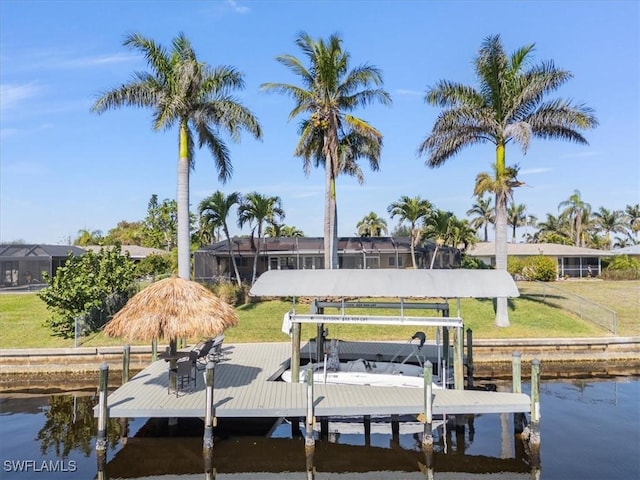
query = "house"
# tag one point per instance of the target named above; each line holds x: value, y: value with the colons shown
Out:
x: 297, y: 253
x: 136, y: 252
x: 575, y: 262
x: 24, y: 265
x: 631, y: 251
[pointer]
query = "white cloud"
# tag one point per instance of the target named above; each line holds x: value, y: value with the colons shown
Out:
x: 13, y: 95
x: 238, y: 8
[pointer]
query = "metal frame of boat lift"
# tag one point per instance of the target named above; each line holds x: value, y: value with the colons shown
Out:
x: 445, y: 322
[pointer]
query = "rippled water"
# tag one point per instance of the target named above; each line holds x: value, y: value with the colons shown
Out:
x: 590, y: 429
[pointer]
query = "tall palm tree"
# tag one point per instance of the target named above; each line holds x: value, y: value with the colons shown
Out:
x: 462, y: 234
x: 574, y: 210
x: 553, y: 230
x: 484, y: 215
x: 411, y: 209
x: 198, y: 99
x: 516, y: 217
x: 257, y: 210
x: 372, y: 225
x: 609, y: 221
x: 214, y: 211
x: 286, y: 231
x: 329, y: 92
x: 508, y: 106
x: 438, y: 227
x: 632, y: 215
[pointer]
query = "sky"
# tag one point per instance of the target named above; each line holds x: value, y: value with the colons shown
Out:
x: 64, y: 169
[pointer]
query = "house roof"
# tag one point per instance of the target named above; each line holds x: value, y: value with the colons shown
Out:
x: 309, y: 245
x: 17, y: 251
x: 136, y: 252
x: 397, y: 283
x: 488, y: 249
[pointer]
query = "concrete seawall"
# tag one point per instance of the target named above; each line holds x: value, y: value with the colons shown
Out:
x: 491, y: 358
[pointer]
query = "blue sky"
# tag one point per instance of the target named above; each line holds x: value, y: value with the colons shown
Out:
x: 64, y: 169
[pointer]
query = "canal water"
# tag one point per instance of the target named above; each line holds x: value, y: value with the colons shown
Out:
x: 590, y: 429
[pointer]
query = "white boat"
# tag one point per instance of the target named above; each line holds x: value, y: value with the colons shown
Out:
x: 365, y: 372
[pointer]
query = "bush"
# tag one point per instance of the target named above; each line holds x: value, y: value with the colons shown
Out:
x: 230, y: 292
x: 622, y: 267
x: 515, y: 266
x: 473, y: 263
x: 154, y: 265
x: 541, y: 268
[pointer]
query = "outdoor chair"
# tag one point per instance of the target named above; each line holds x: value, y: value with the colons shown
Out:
x: 184, y: 375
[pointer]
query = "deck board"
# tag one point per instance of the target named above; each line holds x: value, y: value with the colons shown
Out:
x: 242, y: 389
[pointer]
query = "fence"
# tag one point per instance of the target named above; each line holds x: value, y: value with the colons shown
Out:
x: 557, y: 297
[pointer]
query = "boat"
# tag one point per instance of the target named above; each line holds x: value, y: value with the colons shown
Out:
x: 367, y: 372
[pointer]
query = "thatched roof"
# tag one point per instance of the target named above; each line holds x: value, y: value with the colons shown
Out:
x: 169, y: 309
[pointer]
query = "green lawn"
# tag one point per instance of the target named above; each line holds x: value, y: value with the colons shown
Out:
x: 22, y: 317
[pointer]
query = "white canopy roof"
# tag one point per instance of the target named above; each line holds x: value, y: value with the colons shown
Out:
x: 397, y: 283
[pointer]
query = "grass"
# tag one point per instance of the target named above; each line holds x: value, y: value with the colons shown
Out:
x: 22, y: 317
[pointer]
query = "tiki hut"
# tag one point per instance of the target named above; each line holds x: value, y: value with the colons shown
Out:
x: 170, y: 309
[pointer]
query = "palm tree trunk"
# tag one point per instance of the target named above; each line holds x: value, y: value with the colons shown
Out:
x: 413, y: 250
x: 328, y: 223
x: 502, y: 313
x: 184, y: 245
x: 231, y: 255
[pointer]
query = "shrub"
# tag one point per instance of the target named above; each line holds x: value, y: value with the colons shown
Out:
x: 515, y: 266
x: 622, y: 267
x: 473, y: 263
x: 541, y: 268
x: 230, y: 292
x: 154, y: 265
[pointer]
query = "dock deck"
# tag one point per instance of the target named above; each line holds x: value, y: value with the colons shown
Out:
x: 245, y: 386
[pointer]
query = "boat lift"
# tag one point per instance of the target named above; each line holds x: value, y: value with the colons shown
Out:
x: 383, y: 283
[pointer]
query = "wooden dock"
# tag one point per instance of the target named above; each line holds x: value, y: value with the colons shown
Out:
x: 246, y: 386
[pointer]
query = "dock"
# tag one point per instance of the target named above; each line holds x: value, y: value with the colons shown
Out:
x: 246, y: 385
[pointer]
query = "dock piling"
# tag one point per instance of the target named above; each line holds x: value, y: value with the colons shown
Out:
x: 295, y: 353
x: 427, y: 435
x: 309, y: 441
x: 154, y: 350
x: 534, y: 427
x: 126, y: 359
x: 516, y: 367
x: 101, y: 440
x: 458, y: 358
x: 469, y: 358
x: 207, y: 443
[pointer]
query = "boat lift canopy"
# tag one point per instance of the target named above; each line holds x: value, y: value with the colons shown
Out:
x: 398, y: 283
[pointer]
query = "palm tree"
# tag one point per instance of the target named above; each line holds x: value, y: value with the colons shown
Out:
x: 462, y: 234
x: 198, y: 99
x: 257, y: 209
x: 553, y: 230
x: 214, y: 211
x: 574, y: 211
x: 411, y: 210
x: 277, y: 230
x: 632, y: 214
x: 328, y: 93
x: 86, y: 237
x: 372, y: 225
x: 516, y: 217
x: 484, y: 215
x: 437, y: 227
x: 508, y: 106
x: 609, y: 221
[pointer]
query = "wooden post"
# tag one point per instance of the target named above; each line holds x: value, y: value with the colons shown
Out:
x: 516, y: 367
x: 126, y: 358
x: 124, y: 430
x: 324, y: 428
x: 395, y: 430
x: 427, y: 435
x: 209, y: 414
x: 534, y: 437
x: 309, y: 441
x: 103, y: 414
x: 154, y: 350
x: 469, y: 358
x: 458, y: 359
x: 295, y: 353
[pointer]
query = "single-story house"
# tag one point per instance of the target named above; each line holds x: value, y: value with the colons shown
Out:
x: 575, y: 262
x: 136, y: 252
x: 213, y: 261
x: 24, y: 265
x: 632, y: 251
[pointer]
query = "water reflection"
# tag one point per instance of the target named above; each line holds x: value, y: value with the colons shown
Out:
x: 484, y: 446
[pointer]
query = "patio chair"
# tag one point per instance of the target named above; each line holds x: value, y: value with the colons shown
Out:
x: 185, y: 377
x: 216, y: 354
